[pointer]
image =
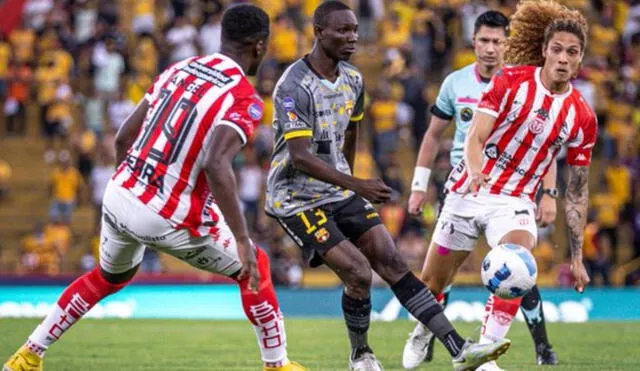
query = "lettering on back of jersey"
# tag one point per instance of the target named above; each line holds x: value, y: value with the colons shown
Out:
x: 201, y: 71
x: 145, y: 172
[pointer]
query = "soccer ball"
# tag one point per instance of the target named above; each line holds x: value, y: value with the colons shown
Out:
x: 509, y: 271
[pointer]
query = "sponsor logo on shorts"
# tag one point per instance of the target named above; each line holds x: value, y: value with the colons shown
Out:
x: 322, y: 235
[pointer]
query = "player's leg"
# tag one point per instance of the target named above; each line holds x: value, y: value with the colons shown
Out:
x: 218, y: 253
x: 505, y: 226
x: 373, y: 239
x: 315, y: 231
x: 438, y: 271
x: 120, y: 256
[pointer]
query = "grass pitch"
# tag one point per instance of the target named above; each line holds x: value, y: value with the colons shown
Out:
x: 318, y: 344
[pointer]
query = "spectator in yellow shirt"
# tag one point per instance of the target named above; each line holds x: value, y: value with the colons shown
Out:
x: 382, y: 114
x: 39, y: 253
x: 284, y: 42
x: 22, y: 40
x: 5, y: 177
x: 64, y: 188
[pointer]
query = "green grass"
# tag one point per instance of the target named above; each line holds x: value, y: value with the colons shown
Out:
x: 318, y: 344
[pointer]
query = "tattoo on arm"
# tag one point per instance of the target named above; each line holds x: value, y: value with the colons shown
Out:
x: 577, y: 197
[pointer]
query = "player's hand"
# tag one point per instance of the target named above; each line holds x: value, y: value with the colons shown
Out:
x: 547, y: 209
x: 579, y: 274
x: 247, y: 254
x: 478, y: 180
x: 374, y: 190
x: 417, y: 200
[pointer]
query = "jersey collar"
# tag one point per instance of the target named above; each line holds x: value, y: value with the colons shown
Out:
x: 547, y: 91
x: 230, y: 61
x: 325, y: 82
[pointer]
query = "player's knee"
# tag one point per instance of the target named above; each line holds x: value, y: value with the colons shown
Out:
x: 118, y: 278
x: 358, y: 280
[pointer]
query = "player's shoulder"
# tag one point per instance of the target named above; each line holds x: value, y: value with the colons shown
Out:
x: 516, y: 74
x: 351, y: 73
x: 583, y: 109
x: 297, y: 78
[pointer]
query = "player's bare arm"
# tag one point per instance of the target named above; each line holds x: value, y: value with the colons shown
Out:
x: 222, y: 183
x: 351, y: 143
x: 129, y: 130
x: 426, y: 157
x: 547, y: 208
x: 480, y: 129
x: 577, y: 198
x: 373, y: 190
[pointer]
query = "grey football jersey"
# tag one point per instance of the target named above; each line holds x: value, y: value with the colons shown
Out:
x: 306, y: 105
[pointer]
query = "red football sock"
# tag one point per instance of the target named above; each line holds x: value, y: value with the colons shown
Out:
x: 263, y: 310
x: 499, y: 314
x: 76, y: 300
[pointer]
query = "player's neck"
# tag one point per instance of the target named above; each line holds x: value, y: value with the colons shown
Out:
x: 237, y: 56
x: 554, y: 87
x: 323, y: 65
x: 486, y: 72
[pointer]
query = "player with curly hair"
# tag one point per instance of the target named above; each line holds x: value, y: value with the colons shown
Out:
x: 526, y: 114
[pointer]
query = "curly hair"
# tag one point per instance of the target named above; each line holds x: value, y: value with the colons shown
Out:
x: 532, y: 26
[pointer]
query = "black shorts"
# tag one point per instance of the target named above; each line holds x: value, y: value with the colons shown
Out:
x: 319, y: 229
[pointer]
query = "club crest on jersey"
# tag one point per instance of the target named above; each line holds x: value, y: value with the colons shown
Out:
x: 292, y: 116
x: 255, y: 111
x: 288, y: 104
x: 322, y: 235
x: 466, y: 114
x: 536, y: 126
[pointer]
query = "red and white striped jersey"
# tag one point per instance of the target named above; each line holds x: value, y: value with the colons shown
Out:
x: 165, y: 166
x: 531, y: 126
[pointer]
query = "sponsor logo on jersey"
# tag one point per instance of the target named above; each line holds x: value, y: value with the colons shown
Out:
x: 288, y: 104
x: 255, y: 111
x: 292, y: 125
x: 581, y: 157
x: 466, y: 114
x: 491, y: 151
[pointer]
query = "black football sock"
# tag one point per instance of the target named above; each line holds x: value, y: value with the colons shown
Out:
x: 357, y: 316
x: 421, y: 303
x: 531, y: 308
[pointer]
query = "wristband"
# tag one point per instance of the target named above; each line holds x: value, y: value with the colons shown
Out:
x: 420, y: 180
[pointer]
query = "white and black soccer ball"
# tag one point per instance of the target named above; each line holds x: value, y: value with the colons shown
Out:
x: 509, y: 271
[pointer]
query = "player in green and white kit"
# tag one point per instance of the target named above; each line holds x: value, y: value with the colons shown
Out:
x: 459, y: 94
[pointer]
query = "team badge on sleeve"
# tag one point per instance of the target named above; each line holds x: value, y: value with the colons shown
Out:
x: 255, y: 111
x: 288, y: 104
x: 292, y: 116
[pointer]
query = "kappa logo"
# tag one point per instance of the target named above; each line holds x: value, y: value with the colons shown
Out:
x: 581, y: 157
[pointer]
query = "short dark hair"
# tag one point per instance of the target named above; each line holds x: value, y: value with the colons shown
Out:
x: 325, y: 9
x: 245, y: 23
x: 492, y: 19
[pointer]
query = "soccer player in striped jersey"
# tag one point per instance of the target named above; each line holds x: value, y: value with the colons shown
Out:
x: 328, y: 212
x: 526, y: 114
x: 175, y: 191
x: 457, y: 101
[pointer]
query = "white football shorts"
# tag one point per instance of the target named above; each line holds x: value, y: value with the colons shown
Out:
x: 464, y: 218
x: 129, y: 226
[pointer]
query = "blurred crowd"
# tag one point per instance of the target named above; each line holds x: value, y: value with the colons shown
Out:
x: 82, y: 65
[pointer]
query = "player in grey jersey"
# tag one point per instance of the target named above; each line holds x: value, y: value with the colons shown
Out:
x: 318, y: 104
